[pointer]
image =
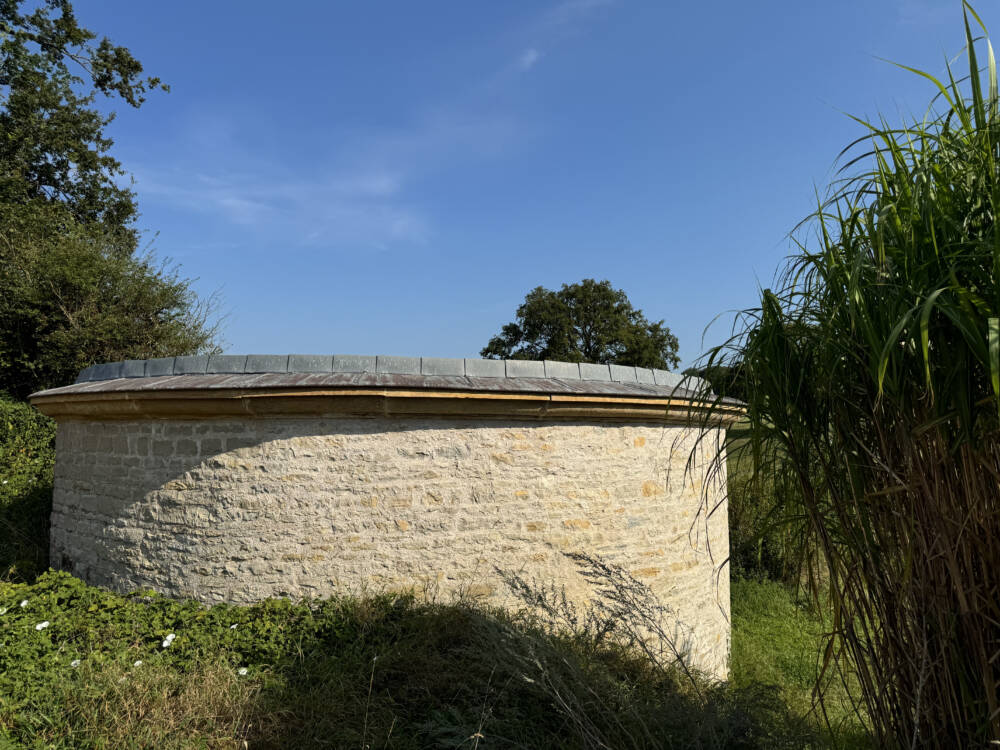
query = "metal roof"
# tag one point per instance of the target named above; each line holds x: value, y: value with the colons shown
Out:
x: 226, y: 371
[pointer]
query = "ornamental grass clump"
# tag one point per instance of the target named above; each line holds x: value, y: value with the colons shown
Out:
x: 872, y: 376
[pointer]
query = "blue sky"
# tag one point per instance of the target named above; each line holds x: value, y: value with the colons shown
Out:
x: 393, y: 177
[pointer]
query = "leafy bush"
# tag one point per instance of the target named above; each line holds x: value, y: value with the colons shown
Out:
x: 71, y: 295
x: 27, y: 454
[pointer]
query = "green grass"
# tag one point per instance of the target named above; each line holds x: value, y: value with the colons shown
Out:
x: 381, y: 672
x: 777, y: 640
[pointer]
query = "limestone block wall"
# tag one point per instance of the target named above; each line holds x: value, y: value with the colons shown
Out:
x: 241, y: 510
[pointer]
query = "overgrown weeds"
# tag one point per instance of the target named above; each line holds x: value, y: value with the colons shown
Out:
x: 379, y: 672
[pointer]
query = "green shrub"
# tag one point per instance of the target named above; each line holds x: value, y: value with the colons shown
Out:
x: 27, y: 454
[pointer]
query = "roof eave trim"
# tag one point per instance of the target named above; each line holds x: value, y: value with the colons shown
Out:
x: 375, y: 402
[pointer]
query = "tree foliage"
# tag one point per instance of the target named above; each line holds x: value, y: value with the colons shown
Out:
x: 73, y: 287
x: 586, y: 322
x: 724, y: 380
x: 27, y: 456
x: 72, y: 294
x: 54, y: 147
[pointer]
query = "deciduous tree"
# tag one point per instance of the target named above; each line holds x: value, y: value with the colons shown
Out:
x: 73, y: 288
x: 586, y: 322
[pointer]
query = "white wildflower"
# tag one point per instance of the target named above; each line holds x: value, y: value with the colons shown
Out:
x: 168, y: 640
x: 5, y: 481
x: 42, y: 625
x: 24, y: 602
x: 75, y: 663
x: 231, y: 627
x: 138, y: 663
x: 242, y: 671
x: 3, y: 610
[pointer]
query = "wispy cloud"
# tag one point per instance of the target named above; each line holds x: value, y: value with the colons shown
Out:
x: 568, y: 16
x: 560, y: 21
x: 361, y: 192
x: 440, y: 137
x: 527, y: 59
x: 360, y: 209
x: 360, y: 197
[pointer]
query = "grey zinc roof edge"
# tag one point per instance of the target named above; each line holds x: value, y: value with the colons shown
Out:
x: 511, y: 368
x: 485, y: 384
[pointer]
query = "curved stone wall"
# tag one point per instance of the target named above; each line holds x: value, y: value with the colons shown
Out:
x: 230, y: 500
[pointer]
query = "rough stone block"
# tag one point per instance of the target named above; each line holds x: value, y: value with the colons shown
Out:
x: 186, y: 448
x: 590, y: 371
x: 562, y: 370
x: 525, y: 368
x: 353, y: 363
x: 485, y: 368
x: 227, y: 364
x: 398, y: 365
x: 163, y: 448
x: 267, y: 363
x: 310, y: 363
x: 193, y: 365
x: 160, y: 366
x: 622, y: 374
x: 441, y: 366
x: 210, y: 446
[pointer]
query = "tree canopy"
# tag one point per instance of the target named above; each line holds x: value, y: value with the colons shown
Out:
x: 590, y: 321
x: 72, y: 295
x: 73, y: 288
x: 55, y: 148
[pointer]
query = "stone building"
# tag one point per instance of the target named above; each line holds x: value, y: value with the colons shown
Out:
x: 235, y: 478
